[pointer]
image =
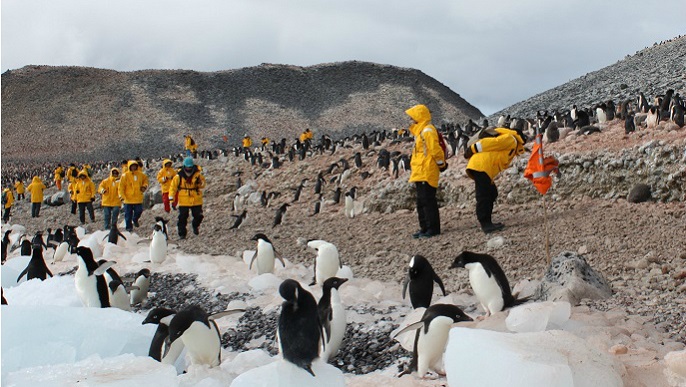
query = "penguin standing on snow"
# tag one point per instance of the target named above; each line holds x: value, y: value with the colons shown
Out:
x: 420, y: 278
x: 158, y: 245
x: 163, y: 224
x: 327, y: 263
x: 299, y: 332
x: 60, y: 252
x: 5, y: 245
x: 264, y: 255
x: 488, y: 281
x: 91, y: 285
x: 118, y: 296
x: 160, y: 346
x: 36, y: 267
x: 199, y: 333
x: 114, y: 234
x: 332, y: 317
x: 142, y: 282
x: 25, y: 246
x: 432, y: 337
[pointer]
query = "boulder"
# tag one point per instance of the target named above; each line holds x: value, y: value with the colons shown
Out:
x: 57, y: 199
x: 639, y: 193
x: 570, y: 278
x: 152, y: 196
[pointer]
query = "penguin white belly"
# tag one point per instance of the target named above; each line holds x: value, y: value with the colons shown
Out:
x: 86, y: 288
x: 119, y: 299
x: 338, y: 325
x: 202, y: 343
x: 349, y: 207
x: 327, y: 263
x: 158, y: 247
x: 265, y: 257
x: 140, y: 294
x: 60, y: 252
x: 431, y: 346
x: 485, y: 288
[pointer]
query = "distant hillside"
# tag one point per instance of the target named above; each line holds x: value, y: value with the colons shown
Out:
x: 88, y: 114
x: 652, y: 71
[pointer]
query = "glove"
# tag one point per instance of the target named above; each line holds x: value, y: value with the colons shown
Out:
x: 443, y: 167
x: 468, y: 153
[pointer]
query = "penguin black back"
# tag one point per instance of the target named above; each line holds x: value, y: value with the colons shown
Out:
x: 5, y: 245
x: 324, y: 306
x: 300, y: 330
x: 36, y: 267
x: 492, y: 269
x: 184, y: 319
x: 420, y: 279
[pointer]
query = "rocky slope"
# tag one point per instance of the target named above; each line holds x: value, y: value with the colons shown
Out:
x: 88, y: 114
x: 652, y: 71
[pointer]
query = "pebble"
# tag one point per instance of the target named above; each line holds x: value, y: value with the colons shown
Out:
x: 619, y: 349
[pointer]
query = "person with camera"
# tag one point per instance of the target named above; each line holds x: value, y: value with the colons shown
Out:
x: 186, y: 187
x: 164, y: 177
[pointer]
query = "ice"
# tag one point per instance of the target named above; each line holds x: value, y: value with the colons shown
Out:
x: 264, y: 282
x: 538, y: 316
x: 406, y: 339
x: 245, y: 361
x: 92, y: 243
x: 247, y: 256
x: 551, y: 358
x: 11, y: 269
x: 47, y: 335
x: 284, y: 374
x: 676, y: 367
x: 120, y: 371
x: 345, y: 272
x: 57, y: 291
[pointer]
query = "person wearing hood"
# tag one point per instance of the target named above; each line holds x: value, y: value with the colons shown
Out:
x: 187, y: 184
x: 36, y: 188
x: 7, y: 202
x: 111, y: 204
x: 59, y: 175
x: 85, y: 195
x: 131, y: 188
x: 247, y: 142
x: 21, y: 190
x: 487, y: 158
x: 190, y: 146
x: 72, y: 173
x: 428, y: 160
x: 165, y: 176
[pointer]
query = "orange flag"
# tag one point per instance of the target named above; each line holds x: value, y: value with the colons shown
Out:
x: 539, y: 168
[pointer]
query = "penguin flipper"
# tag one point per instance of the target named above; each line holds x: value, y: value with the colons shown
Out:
x: 252, y: 260
x: 225, y: 313
x: 23, y: 273
x: 437, y: 279
x: 103, y: 268
x: 48, y: 271
x: 308, y: 368
x: 408, y: 328
x: 121, y: 235
x: 405, y: 283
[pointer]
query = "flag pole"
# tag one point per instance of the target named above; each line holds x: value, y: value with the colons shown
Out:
x: 545, y: 225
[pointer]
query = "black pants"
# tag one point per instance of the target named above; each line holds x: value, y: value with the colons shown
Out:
x: 82, y: 211
x: 486, y: 194
x: 35, y: 210
x: 6, y: 214
x: 73, y: 207
x: 20, y: 197
x: 427, y: 209
x: 196, y: 211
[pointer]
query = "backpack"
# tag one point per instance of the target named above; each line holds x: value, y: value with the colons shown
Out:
x: 441, y: 142
x: 4, y: 197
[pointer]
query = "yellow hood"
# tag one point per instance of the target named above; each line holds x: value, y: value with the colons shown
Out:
x: 422, y: 115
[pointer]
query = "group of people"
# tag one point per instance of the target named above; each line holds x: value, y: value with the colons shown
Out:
x: 487, y: 158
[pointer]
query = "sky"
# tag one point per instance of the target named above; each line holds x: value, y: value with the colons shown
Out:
x: 493, y: 53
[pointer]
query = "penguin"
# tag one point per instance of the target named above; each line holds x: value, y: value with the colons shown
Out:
x: 264, y: 255
x: 142, y: 282
x: 114, y: 234
x: 60, y: 252
x: 432, y: 337
x: 110, y: 274
x: 90, y: 282
x: 298, y: 190
x: 350, y: 203
x: 5, y: 245
x: 280, y: 212
x: 327, y: 263
x: 36, y: 267
x: 337, y: 195
x: 118, y: 296
x: 199, y: 333
x: 160, y: 346
x: 25, y: 246
x: 317, y: 207
x: 358, y: 159
x: 158, y: 245
x: 629, y: 125
x: 2, y: 294
x: 49, y: 238
x: 488, y: 281
x: 58, y: 236
x: 37, y: 241
x: 163, y: 224
x: 318, y: 184
x: 420, y: 278
x: 332, y: 317
x: 299, y: 332
x: 239, y: 220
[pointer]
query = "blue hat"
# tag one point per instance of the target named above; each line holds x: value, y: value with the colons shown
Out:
x: 188, y: 162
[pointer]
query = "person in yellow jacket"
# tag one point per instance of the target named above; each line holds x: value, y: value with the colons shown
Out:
x: 306, y: 135
x: 188, y: 184
x: 487, y: 158
x: 36, y: 188
x: 265, y: 142
x: 7, y: 202
x: 131, y: 188
x: 247, y: 142
x: 21, y: 190
x: 428, y: 160
x: 190, y: 146
x: 59, y: 175
x: 71, y: 187
x: 165, y: 176
x: 85, y: 195
x: 111, y: 204
x: 72, y: 173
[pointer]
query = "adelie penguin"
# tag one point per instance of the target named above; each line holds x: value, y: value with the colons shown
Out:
x: 420, y: 279
x: 161, y: 348
x: 300, y: 332
x: 239, y: 220
x: 432, y: 337
x: 327, y: 263
x: 280, y: 213
x: 5, y: 245
x: 199, y: 333
x: 113, y: 235
x: 142, y: 281
x: 332, y: 317
x: 90, y: 282
x: 350, y: 203
x: 488, y: 281
x: 118, y: 296
x: 264, y: 255
x: 158, y: 245
x: 36, y: 267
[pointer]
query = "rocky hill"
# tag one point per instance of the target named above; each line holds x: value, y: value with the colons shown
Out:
x: 652, y: 71
x: 88, y: 114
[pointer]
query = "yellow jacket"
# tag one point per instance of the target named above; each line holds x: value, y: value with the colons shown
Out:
x: 165, y: 176
x: 71, y: 176
x: 190, y: 144
x: 85, y: 188
x: 59, y: 172
x: 132, y: 185
x: 19, y: 186
x: 265, y: 141
x: 36, y: 188
x: 109, y: 189
x: 72, y: 190
x: 494, y: 154
x: 9, y: 197
x: 427, y: 154
x: 189, y: 187
x: 247, y: 142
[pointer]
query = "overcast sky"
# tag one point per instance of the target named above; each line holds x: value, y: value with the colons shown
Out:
x: 493, y: 53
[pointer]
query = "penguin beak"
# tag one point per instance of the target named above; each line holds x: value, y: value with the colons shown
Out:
x: 457, y: 263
